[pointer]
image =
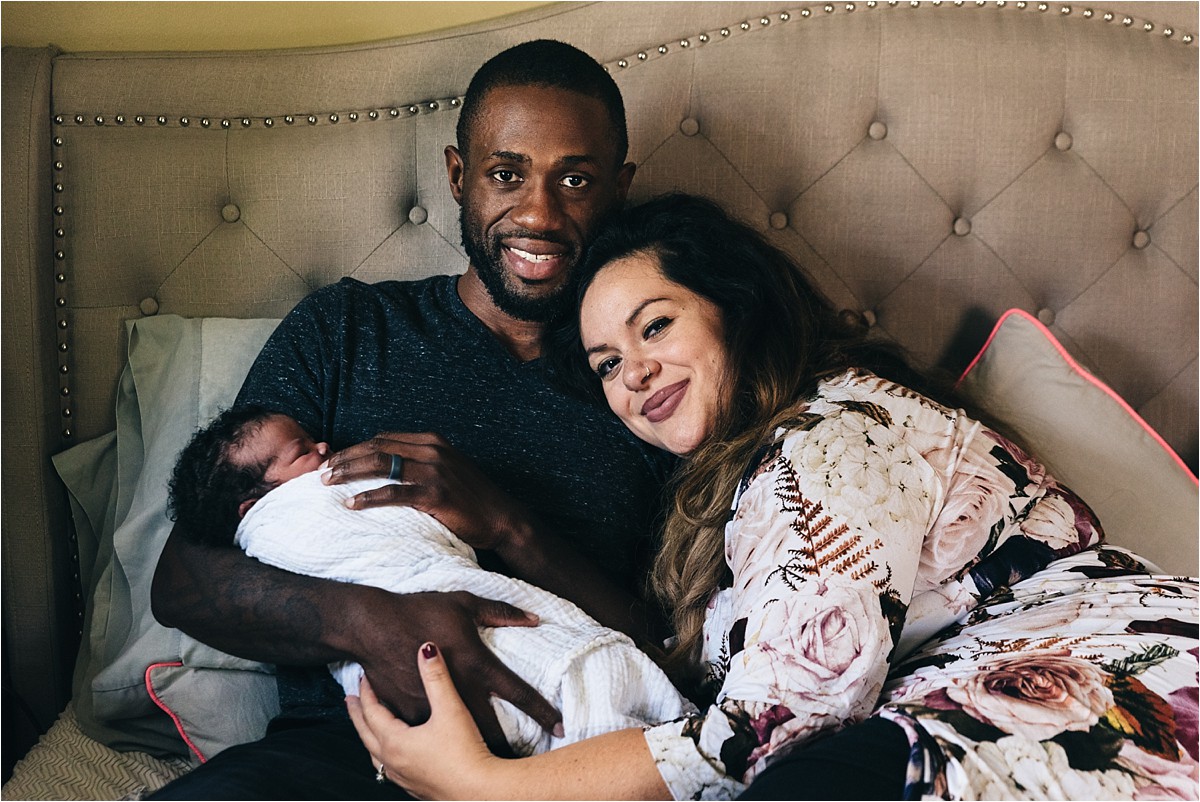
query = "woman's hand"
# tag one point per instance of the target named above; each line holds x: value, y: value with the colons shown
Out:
x: 445, y: 757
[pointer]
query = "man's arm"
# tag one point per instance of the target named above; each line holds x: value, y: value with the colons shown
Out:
x: 234, y: 603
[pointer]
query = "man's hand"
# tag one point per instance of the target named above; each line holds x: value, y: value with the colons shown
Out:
x: 454, y: 619
x: 437, y: 479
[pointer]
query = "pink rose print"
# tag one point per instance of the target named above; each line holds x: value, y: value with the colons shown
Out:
x: 976, y: 499
x: 1168, y: 779
x: 1035, y: 695
x: 827, y: 652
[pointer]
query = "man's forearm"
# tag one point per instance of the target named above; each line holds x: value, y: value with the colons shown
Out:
x: 552, y: 564
x: 236, y: 604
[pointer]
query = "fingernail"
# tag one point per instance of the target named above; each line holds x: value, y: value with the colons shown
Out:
x: 559, y: 732
x: 534, y: 617
x: 429, y: 651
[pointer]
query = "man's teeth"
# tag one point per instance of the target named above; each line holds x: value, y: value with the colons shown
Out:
x: 533, y: 257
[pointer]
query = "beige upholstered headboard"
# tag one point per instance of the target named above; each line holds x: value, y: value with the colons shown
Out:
x: 931, y: 163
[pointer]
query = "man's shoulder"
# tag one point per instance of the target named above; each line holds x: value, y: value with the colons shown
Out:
x: 355, y: 290
x: 351, y: 299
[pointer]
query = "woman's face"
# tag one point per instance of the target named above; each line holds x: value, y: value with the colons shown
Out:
x: 659, y: 350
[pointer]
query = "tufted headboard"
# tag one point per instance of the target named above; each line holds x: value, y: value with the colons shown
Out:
x: 932, y: 164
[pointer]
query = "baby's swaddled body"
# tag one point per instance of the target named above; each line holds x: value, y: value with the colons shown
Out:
x: 594, y: 675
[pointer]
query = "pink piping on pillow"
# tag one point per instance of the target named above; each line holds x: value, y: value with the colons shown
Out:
x: 163, y: 706
x: 1083, y: 374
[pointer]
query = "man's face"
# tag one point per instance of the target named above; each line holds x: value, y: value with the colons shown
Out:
x: 540, y: 175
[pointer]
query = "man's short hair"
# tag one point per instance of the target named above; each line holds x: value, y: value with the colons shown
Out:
x: 544, y: 63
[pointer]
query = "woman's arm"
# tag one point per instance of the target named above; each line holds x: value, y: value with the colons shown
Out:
x: 446, y: 758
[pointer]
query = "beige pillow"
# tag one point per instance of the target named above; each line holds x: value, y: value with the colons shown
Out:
x: 1090, y: 439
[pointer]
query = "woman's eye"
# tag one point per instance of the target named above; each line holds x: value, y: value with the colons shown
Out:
x: 575, y: 181
x: 606, y: 367
x: 656, y: 326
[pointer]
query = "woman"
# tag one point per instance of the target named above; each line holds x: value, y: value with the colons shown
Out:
x: 827, y: 519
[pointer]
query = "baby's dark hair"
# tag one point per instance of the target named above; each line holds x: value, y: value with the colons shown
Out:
x: 207, y: 485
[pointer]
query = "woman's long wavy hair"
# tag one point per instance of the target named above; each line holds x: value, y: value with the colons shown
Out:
x: 782, y: 339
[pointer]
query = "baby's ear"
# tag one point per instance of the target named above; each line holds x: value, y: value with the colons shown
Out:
x: 245, y: 506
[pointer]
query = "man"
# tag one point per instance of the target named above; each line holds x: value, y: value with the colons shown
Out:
x: 552, y: 486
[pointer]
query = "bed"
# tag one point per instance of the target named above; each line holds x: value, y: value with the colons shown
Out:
x: 1007, y: 189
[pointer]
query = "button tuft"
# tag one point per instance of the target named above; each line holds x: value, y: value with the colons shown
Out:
x: 417, y: 215
x: 878, y: 130
x: 962, y: 226
x: 778, y: 220
x: 690, y: 126
x: 230, y: 213
x: 1046, y: 317
x: 149, y: 306
x: 1063, y: 141
x: 1141, y: 239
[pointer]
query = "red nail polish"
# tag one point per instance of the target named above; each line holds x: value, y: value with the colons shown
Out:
x: 429, y: 651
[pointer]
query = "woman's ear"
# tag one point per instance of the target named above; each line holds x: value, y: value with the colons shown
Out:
x: 245, y: 506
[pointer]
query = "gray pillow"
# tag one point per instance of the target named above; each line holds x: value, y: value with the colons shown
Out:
x: 1091, y: 440
x: 139, y: 685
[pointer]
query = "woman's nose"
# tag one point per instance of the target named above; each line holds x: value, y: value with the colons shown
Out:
x: 637, y: 374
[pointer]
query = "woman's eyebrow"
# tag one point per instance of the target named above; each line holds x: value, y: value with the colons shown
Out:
x: 637, y: 310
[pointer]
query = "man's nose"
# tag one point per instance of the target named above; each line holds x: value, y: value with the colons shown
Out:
x: 538, y: 208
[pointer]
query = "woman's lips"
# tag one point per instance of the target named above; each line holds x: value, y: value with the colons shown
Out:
x: 663, y: 404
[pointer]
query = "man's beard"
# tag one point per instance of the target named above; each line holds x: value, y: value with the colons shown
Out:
x: 487, y: 257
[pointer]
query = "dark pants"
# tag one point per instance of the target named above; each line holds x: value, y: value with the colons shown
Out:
x: 865, y: 761
x: 326, y: 760
x: 322, y: 759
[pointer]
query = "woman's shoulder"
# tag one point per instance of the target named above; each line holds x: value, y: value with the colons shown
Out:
x: 857, y: 398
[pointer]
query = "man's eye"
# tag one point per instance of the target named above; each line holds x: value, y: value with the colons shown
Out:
x: 504, y: 176
x: 575, y: 181
x: 606, y: 367
x: 656, y: 326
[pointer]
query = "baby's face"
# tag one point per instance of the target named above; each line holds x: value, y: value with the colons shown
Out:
x: 286, y: 447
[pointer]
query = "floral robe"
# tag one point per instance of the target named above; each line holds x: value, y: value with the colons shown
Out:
x: 874, y: 521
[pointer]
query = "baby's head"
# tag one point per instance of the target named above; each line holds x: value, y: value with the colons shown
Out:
x: 244, y: 453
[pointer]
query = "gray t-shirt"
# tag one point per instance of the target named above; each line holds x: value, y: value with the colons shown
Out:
x: 353, y: 360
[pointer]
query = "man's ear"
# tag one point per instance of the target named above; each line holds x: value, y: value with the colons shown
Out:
x: 625, y: 178
x: 245, y: 506
x: 455, y: 172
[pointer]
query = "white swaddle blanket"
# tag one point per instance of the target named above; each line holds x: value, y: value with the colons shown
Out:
x: 594, y: 675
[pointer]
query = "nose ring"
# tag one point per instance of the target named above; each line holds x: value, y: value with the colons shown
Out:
x: 646, y: 378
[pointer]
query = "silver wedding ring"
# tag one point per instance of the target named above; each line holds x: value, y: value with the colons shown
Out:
x: 394, y: 474
x: 381, y: 774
